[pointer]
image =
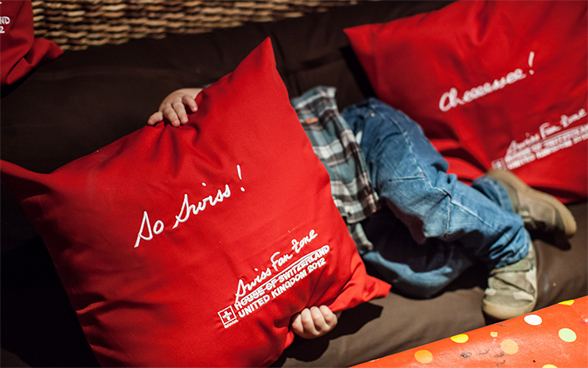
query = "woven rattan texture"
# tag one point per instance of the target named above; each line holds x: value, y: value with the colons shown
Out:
x: 78, y: 24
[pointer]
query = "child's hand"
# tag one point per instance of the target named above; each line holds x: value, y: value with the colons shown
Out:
x: 314, y: 322
x: 174, y: 108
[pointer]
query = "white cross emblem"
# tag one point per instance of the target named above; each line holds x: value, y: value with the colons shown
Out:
x: 228, y: 316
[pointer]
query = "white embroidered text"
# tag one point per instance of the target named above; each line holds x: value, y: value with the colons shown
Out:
x: 451, y: 99
x: 147, y: 232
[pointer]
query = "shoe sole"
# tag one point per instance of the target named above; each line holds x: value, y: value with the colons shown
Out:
x: 511, y: 179
x: 503, y: 312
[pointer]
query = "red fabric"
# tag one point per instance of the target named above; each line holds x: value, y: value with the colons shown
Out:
x: 194, y: 246
x: 493, y: 84
x: 19, y: 50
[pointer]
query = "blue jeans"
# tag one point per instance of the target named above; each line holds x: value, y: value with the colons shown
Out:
x: 433, y: 227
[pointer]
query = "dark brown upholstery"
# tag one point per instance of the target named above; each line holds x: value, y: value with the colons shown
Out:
x: 86, y: 99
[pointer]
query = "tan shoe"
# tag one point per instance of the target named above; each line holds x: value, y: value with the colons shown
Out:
x: 512, y: 290
x: 540, y: 211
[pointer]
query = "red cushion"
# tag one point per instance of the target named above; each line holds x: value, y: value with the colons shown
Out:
x: 20, y: 51
x: 493, y: 84
x: 194, y: 246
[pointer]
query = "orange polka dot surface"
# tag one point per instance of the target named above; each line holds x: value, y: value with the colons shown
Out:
x: 553, y: 337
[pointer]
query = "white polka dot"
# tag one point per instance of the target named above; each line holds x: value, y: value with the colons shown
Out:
x: 533, y: 320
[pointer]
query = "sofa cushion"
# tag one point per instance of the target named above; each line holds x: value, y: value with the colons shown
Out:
x: 21, y: 52
x: 113, y: 90
x: 491, y: 88
x: 194, y: 246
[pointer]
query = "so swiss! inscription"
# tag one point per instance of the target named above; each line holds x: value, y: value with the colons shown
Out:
x: 147, y: 231
x: 283, y: 271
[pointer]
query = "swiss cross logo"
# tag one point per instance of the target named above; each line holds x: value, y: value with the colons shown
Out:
x: 228, y: 316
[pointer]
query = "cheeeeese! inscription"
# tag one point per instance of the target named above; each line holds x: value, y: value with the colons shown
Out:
x: 453, y: 98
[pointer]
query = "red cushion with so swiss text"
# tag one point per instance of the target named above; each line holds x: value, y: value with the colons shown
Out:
x: 195, y: 246
x: 493, y: 84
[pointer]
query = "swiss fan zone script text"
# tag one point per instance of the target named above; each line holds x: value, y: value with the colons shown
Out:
x: 550, y: 138
x: 275, y: 279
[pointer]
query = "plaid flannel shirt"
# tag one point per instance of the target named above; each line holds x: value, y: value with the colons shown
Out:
x: 335, y: 145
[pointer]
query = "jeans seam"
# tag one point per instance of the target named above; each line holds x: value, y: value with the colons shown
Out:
x: 375, y: 109
x: 448, y: 212
x: 518, y: 255
x: 382, y: 116
x: 463, y: 208
x: 409, y: 144
x: 407, y: 177
x: 501, y: 192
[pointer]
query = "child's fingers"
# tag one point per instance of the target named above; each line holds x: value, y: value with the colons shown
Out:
x: 314, y: 322
x: 329, y: 317
x: 175, y: 109
x: 297, y: 324
x: 155, y: 118
x: 170, y: 114
x: 189, y: 101
x: 180, y: 110
x: 319, y: 321
x: 307, y: 319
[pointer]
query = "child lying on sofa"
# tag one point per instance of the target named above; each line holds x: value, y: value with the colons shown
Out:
x: 431, y: 227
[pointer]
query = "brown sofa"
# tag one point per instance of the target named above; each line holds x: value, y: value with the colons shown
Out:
x: 86, y: 99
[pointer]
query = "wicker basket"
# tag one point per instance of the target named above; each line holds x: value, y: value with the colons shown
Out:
x: 78, y: 24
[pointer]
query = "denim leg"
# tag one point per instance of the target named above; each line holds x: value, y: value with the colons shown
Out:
x: 411, y: 177
x: 416, y: 270
x: 492, y: 189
